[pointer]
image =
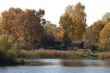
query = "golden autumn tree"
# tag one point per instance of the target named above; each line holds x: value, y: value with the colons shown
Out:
x: 59, y: 34
x: 76, y: 22
x: 105, y: 37
x: 79, y: 17
x: 22, y: 25
x: 92, y: 33
x: 73, y: 22
x: 66, y: 24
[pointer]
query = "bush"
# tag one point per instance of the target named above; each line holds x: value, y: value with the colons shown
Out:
x: 21, y: 61
x: 106, y: 44
x: 4, y: 44
x: 8, y: 53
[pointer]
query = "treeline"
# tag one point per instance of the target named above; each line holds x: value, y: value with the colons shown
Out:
x: 28, y: 27
x: 73, y: 23
x: 22, y: 26
x: 20, y: 29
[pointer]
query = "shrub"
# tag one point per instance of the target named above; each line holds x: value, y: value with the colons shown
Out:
x: 4, y: 44
x: 8, y: 53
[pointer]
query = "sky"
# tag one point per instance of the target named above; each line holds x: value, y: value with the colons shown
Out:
x: 95, y: 9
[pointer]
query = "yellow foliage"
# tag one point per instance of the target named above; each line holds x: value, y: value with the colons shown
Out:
x: 105, y: 36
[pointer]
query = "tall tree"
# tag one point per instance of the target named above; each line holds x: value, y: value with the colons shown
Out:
x: 66, y: 23
x: 73, y: 22
x: 79, y: 17
x: 22, y: 25
x: 77, y: 21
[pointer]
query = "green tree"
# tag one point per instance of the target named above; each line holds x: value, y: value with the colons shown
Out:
x: 4, y: 42
x: 7, y: 55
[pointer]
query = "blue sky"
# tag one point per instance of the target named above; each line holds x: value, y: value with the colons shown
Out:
x: 55, y: 8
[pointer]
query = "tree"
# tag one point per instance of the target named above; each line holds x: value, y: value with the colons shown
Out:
x: 22, y: 25
x: 66, y: 24
x: 49, y: 34
x: 105, y: 37
x: 59, y: 34
x: 106, y: 17
x: 77, y: 20
x: 79, y: 17
x: 7, y: 55
x: 4, y: 44
x: 31, y: 26
x: 73, y: 22
x: 92, y: 33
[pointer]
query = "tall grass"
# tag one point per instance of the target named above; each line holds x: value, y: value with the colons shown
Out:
x: 49, y: 54
x: 103, y: 55
x: 64, y: 54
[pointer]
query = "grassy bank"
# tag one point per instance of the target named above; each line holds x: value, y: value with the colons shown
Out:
x: 64, y: 54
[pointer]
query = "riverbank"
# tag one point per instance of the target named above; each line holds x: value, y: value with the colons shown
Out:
x: 77, y: 54
x: 19, y: 61
x: 24, y: 55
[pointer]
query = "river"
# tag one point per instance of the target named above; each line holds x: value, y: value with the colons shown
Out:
x: 61, y: 66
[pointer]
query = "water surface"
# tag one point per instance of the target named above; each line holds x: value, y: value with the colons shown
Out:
x: 61, y: 66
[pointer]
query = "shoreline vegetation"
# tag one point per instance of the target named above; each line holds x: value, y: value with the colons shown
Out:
x: 24, y: 55
x: 24, y: 32
x: 77, y: 54
x: 58, y: 54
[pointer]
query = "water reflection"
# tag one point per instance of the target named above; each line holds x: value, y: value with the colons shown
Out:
x: 74, y: 63
x: 60, y: 66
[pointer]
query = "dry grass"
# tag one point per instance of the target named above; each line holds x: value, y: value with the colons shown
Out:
x: 103, y: 55
x: 49, y: 54
x: 63, y: 54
